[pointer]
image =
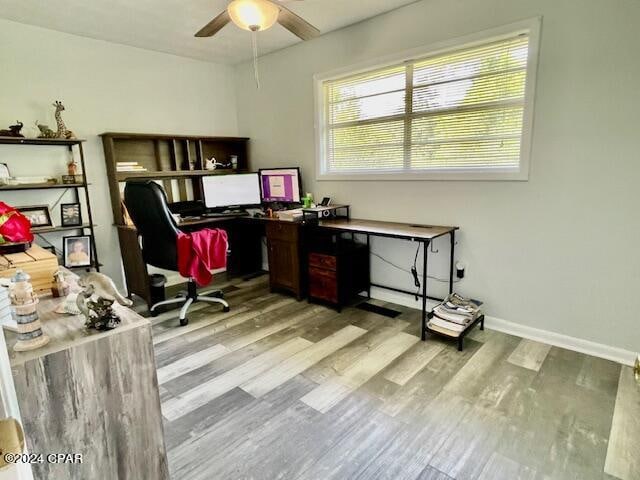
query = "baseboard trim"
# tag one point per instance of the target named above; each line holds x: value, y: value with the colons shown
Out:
x: 615, y: 354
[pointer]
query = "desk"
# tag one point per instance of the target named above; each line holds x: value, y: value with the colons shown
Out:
x: 415, y: 233
x: 286, y: 242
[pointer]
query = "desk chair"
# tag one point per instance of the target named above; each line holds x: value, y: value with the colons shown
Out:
x: 148, y: 208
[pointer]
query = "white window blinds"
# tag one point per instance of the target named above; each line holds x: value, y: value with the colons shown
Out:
x: 458, y: 111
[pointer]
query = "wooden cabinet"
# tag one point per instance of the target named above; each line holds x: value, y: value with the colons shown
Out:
x: 337, y: 272
x: 285, y: 257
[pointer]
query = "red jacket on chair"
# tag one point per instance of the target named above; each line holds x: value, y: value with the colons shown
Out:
x: 200, y: 252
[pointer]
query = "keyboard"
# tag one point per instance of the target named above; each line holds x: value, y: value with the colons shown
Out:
x: 240, y: 213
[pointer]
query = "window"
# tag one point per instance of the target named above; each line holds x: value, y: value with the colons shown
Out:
x: 461, y: 113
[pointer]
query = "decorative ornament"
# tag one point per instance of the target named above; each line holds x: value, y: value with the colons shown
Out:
x: 60, y: 286
x: 23, y: 308
x: 13, y: 130
x: 45, y: 131
x: 14, y: 226
x: 96, y: 301
x: 210, y: 163
x: 62, y: 132
x: 72, y: 167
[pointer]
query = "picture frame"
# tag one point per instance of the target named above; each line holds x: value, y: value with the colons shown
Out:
x: 76, y: 251
x: 4, y: 170
x: 38, y: 215
x: 70, y: 215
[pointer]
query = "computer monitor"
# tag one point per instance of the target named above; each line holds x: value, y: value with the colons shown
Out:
x: 281, y: 185
x: 231, y: 190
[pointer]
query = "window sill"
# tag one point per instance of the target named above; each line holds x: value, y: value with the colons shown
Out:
x: 494, y: 176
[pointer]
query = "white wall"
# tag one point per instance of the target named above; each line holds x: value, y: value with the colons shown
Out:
x: 559, y: 252
x: 105, y: 87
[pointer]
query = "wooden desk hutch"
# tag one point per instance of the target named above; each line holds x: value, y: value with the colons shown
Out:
x: 177, y: 161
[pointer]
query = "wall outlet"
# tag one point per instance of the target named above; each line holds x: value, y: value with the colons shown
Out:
x: 460, y: 269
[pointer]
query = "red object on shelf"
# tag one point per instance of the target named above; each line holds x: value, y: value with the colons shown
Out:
x: 14, y: 226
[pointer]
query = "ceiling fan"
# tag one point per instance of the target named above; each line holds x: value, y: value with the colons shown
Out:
x: 256, y: 16
x: 259, y: 15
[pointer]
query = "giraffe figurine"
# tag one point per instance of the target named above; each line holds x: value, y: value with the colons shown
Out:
x: 62, y: 132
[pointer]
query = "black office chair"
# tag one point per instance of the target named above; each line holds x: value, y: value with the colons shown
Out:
x: 147, y: 206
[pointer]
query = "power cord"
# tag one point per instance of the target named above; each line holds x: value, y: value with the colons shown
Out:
x: 417, y: 273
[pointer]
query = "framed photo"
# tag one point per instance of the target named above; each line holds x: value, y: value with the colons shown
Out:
x: 76, y: 251
x: 70, y: 214
x: 38, y: 215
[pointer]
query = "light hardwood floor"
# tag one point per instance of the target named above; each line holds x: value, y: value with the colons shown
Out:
x: 279, y: 389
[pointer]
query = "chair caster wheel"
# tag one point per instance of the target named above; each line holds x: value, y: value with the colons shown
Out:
x: 154, y: 313
x: 225, y: 309
x: 184, y: 322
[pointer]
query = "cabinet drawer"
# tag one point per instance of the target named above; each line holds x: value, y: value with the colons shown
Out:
x: 282, y: 231
x: 322, y: 261
x: 323, y: 284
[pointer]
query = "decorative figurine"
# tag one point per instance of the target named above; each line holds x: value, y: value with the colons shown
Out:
x: 60, y: 286
x: 45, y: 131
x: 23, y: 308
x: 62, y: 132
x: 13, y: 131
x: 72, y: 167
x: 96, y: 301
x: 210, y: 163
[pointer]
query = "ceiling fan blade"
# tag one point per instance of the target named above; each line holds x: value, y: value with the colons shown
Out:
x: 214, y: 26
x: 296, y: 25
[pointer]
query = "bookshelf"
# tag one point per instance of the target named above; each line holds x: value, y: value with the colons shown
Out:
x: 78, y: 189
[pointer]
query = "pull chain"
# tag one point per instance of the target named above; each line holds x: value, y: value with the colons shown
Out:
x: 254, y: 44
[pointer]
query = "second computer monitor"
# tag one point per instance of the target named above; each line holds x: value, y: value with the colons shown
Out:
x: 280, y: 185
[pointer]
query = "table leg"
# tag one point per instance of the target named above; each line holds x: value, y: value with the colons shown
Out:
x: 451, y: 260
x: 423, y: 334
x: 369, y: 283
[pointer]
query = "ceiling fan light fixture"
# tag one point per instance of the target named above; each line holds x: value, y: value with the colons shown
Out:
x: 253, y: 15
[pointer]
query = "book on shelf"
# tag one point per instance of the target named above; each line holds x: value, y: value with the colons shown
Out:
x: 129, y: 167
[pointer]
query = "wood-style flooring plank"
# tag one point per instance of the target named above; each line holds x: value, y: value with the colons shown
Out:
x: 354, y: 450
x: 335, y: 364
x: 411, y: 402
x: 410, y: 452
x: 529, y: 354
x: 325, y: 396
x: 299, y: 362
x: 219, y: 332
x: 208, y: 322
x: 237, y: 357
x: 471, y: 379
x: 500, y: 467
x: 190, y: 363
x: 298, y: 437
x: 413, y: 361
x: 558, y: 427
x: 188, y: 401
x: 623, y: 453
x: 222, y: 450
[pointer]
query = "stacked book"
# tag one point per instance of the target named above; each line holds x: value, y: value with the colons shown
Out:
x: 130, y: 167
x: 290, y: 215
x: 454, y: 315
